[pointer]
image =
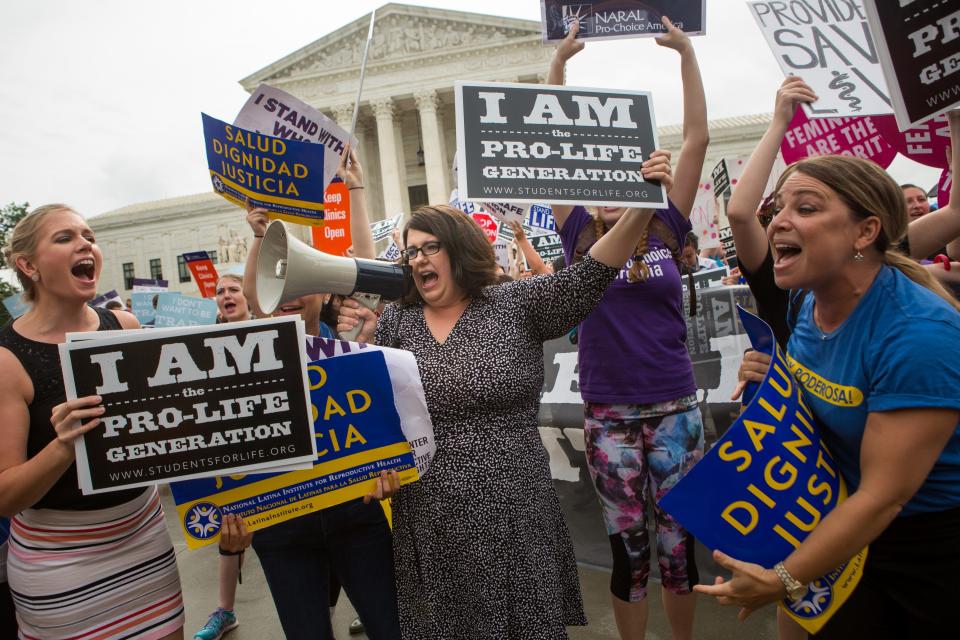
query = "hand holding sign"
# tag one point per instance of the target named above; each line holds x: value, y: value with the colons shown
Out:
x: 386, y: 486
x: 750, y: 587
x: 753, y: 369
x: 657, y: 167
x: 570, y: 46
x: 792, y: 93
x: 258, y: 221
x: 234, y: 536
x: 67, y: 418
x: 675, y: 38
x: 350, y: 170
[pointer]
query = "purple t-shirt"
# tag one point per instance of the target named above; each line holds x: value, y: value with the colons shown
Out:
x: 633, y: 345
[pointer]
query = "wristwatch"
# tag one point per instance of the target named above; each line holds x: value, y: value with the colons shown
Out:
x: 795, y: 589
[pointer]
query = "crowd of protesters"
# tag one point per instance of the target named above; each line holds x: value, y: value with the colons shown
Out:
x: 478, y: 547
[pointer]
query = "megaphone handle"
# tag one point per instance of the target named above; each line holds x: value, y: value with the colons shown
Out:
x: 370, y: 301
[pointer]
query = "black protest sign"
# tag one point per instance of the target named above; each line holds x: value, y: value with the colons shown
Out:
x: 726, y: 241
x: 721, y: 178
x: 536, y: 143
x: 608, y: 19
x: 549, y: 246
x: 191, y: 402
x: 919, y: 44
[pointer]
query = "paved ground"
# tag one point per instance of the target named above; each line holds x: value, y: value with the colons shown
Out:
x: 198, y: 571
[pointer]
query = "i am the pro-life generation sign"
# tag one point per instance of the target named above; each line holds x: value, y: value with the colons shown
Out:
x: 536, y: 143
x: 191, y: 402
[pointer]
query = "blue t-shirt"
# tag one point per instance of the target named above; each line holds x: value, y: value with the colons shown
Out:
x: 326, y: 332
x: 899, y: 349
x: 633, y: 346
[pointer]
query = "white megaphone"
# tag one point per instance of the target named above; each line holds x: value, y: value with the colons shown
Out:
x: 288, y: 268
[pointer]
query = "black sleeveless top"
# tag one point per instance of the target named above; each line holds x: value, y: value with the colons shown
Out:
x: 41, y: 360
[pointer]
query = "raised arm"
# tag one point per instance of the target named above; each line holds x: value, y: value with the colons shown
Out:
x: 258, y: 220
x: 934, y: 230
x: 696, y: 136
x: 351, y: 172
x: 953, y: 207
x: 617, y: 245
x: 748, y: 234
x: 534, y: 261
x: 567, y: 48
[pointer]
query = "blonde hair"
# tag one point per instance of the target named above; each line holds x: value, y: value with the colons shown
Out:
x: 868, y: 190
x: 23, y: 242
x: 230, y: 276
x: 639, y: 271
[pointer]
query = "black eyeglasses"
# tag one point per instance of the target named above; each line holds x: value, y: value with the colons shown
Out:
x: 428, y: 249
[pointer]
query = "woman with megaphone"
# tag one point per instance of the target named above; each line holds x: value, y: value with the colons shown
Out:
x: 352, y: 540
x: 480, y: 542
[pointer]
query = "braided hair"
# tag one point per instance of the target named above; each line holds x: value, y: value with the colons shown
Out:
x: 639, y: 271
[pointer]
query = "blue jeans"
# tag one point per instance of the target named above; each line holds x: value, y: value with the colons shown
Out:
x: 352, y: 541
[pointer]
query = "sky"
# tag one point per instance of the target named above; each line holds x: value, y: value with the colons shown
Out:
x: 100, y: 101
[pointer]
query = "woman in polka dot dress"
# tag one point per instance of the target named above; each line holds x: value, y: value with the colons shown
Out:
x: 480, y: 544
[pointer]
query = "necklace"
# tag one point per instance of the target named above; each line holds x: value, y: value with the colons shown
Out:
x: 816, y: 322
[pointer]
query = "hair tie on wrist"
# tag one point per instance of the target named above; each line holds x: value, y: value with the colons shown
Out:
x: 352, y: 188
x: 224, y: 552
x: 256, y: 236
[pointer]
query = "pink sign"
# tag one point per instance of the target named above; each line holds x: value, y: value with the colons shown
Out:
x: 943, y: 189
x: 860, y: 137
x: 925, y: 143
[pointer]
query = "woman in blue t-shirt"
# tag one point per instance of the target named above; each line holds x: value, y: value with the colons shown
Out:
x: 876, y: 322
x: 642, y: 425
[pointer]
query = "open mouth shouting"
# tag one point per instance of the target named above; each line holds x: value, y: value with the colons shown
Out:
x: 428, y: 279
x: 85, y: 271
x: 785, y: 254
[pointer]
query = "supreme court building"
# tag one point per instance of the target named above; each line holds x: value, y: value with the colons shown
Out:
x: 406, y: 130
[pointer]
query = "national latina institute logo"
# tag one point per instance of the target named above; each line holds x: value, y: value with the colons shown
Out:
x: 203, y: 520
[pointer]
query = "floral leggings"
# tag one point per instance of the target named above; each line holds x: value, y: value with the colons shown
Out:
x: 636, y: 453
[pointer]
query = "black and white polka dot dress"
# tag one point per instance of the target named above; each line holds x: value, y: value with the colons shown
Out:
x: 480, y: 545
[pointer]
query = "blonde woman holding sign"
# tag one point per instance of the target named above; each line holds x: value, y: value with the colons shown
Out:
x: 79, y: 566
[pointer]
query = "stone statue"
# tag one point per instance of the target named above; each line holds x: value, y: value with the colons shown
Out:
x: 223, y: 254
x: 237, y: 247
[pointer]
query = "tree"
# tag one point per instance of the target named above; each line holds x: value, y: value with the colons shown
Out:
x: 10, y: 215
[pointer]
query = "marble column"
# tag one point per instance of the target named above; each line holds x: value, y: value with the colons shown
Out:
x: 343, y: 114
x: 434, y: 156
x: 390, y: 169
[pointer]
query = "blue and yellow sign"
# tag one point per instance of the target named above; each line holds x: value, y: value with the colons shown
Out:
x: 767, y: 483
x: 285, y: 177
x: 358, y: 435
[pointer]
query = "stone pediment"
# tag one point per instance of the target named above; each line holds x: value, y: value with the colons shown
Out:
x: 402, y: 33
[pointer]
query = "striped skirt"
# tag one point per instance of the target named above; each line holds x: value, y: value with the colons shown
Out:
x: 95, y: 575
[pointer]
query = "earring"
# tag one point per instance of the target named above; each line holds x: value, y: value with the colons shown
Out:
x: 35, y: 277
x: 858, y: 256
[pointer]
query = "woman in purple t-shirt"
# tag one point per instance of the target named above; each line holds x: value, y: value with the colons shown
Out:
x: 642, y: 425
